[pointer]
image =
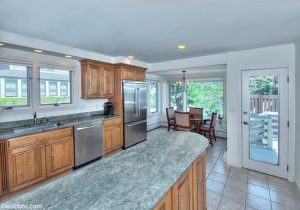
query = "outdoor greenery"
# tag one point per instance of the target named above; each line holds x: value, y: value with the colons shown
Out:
x: 263, y: 85
x: 176, y: 96
x: 153, y: 96
x: 44, y: 100
x: 208, y: 95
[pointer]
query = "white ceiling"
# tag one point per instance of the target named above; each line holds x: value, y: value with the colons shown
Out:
x: 150, y: 30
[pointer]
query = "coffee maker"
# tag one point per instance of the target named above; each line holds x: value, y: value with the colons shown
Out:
x: 108, y: 108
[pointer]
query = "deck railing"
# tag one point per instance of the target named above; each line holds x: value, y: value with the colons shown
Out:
x: 264, y: 103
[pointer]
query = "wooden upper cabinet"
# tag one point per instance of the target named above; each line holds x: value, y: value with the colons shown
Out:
x: 97, y: 80
x: 132, y: 73
x: 108, y: 82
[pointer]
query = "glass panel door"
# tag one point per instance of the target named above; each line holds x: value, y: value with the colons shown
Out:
x: 264, y: 118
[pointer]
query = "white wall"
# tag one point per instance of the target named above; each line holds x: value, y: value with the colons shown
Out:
x: 297, y: 94
x: 33, y: 58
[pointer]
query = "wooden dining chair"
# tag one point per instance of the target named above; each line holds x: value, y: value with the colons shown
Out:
x: 182, y: 121
x: 170, y: 118
x: 209, y: 127
x: 196, y: 112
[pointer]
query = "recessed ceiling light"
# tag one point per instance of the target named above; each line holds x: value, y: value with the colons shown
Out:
x: 68, y: 56
x: 131, y: 57
x: 1, y: 44
x: 181, y: 47
x: 38, y: 51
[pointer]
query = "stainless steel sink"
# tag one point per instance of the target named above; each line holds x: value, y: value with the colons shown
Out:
x: 32, y: 128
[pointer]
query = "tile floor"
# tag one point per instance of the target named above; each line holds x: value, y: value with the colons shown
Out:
x: 230, y: 188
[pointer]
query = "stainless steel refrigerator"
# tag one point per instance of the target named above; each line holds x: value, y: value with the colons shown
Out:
x: 135, y: 112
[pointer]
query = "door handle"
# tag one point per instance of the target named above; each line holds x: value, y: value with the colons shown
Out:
x: 245, y: 123
x: 245, y: 112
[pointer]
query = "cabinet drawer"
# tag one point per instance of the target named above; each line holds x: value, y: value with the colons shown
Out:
x: 38, y: 138
x: 112, y: 122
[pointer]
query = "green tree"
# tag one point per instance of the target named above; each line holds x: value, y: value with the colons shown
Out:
x: 208, y: 95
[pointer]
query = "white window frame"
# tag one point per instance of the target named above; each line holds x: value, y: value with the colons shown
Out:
x: 206, y: 79
x: 158, y: 95
x: 29, y: 106
x: 45, y: 107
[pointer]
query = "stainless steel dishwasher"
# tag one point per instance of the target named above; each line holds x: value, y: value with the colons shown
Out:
x: 88, y: 144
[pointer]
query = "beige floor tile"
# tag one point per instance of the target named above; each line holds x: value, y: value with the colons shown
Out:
x: 286, y: 188
x: 258, y: 191
x: 232, y: 182
x: 283, y: 199
x: 278, y: 180
x: 257, y: 174
x: 228, y: 204
x: 279, y: 206
x: 212, y: 198
x: 258, y: 202
x: 221, y: 169
x: 250, y: 208
x: 235, y: 194
x: 258, y: 181
x: 238, y: 175
x: 208, y: 207
x: 214, y: 186
x: 244, y: 170
x: 218, y: 177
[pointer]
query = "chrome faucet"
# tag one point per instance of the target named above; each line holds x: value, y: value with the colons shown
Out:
x: 34, y: 118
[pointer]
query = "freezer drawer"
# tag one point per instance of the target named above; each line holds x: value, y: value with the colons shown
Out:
x: 135, y: 133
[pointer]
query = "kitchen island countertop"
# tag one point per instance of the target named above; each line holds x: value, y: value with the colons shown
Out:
x: 136, y: 178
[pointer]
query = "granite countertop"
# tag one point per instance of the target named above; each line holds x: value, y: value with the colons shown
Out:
x: 7, y: 133
x: 135, y: 178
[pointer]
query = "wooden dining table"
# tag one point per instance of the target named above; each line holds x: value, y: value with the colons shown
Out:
x: 199, y: 121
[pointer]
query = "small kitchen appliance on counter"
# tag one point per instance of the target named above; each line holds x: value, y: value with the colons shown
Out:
x: 108, y: 108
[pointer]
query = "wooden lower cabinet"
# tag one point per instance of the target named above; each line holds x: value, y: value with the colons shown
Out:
x: 112, y: 135
x: 34, y: 158
x: 189, y: 192
x: 183, y: 192
x: 26, y: 166
x: 165, y: 203
x: 59, y: 155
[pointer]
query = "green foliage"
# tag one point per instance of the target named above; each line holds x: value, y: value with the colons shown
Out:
x: 153, y: 96
x: 176, y: 97
x: 23, y: 101
x: 263, y: 85
x: 208, y: 95
x: 13, y: 101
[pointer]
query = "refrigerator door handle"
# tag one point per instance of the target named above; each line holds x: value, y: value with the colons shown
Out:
x: 139, y: 102
x: 134, y: 96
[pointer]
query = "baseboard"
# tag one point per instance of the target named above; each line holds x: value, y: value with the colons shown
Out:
x: 297, y: 181
x: 153, y: 126
x: 234, y: 163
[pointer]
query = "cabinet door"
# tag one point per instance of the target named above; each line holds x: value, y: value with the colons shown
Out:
x: 165, y: 203
x: 26, y: 165
x: 183, y: 192
x: 118, y: 136
x: 129, y: 74
x: 93, y: 81
x: 141, y: 75
x: 107, y: 139
x: 199, y: 183
x: 59, y: 155
x: 108, y: 81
